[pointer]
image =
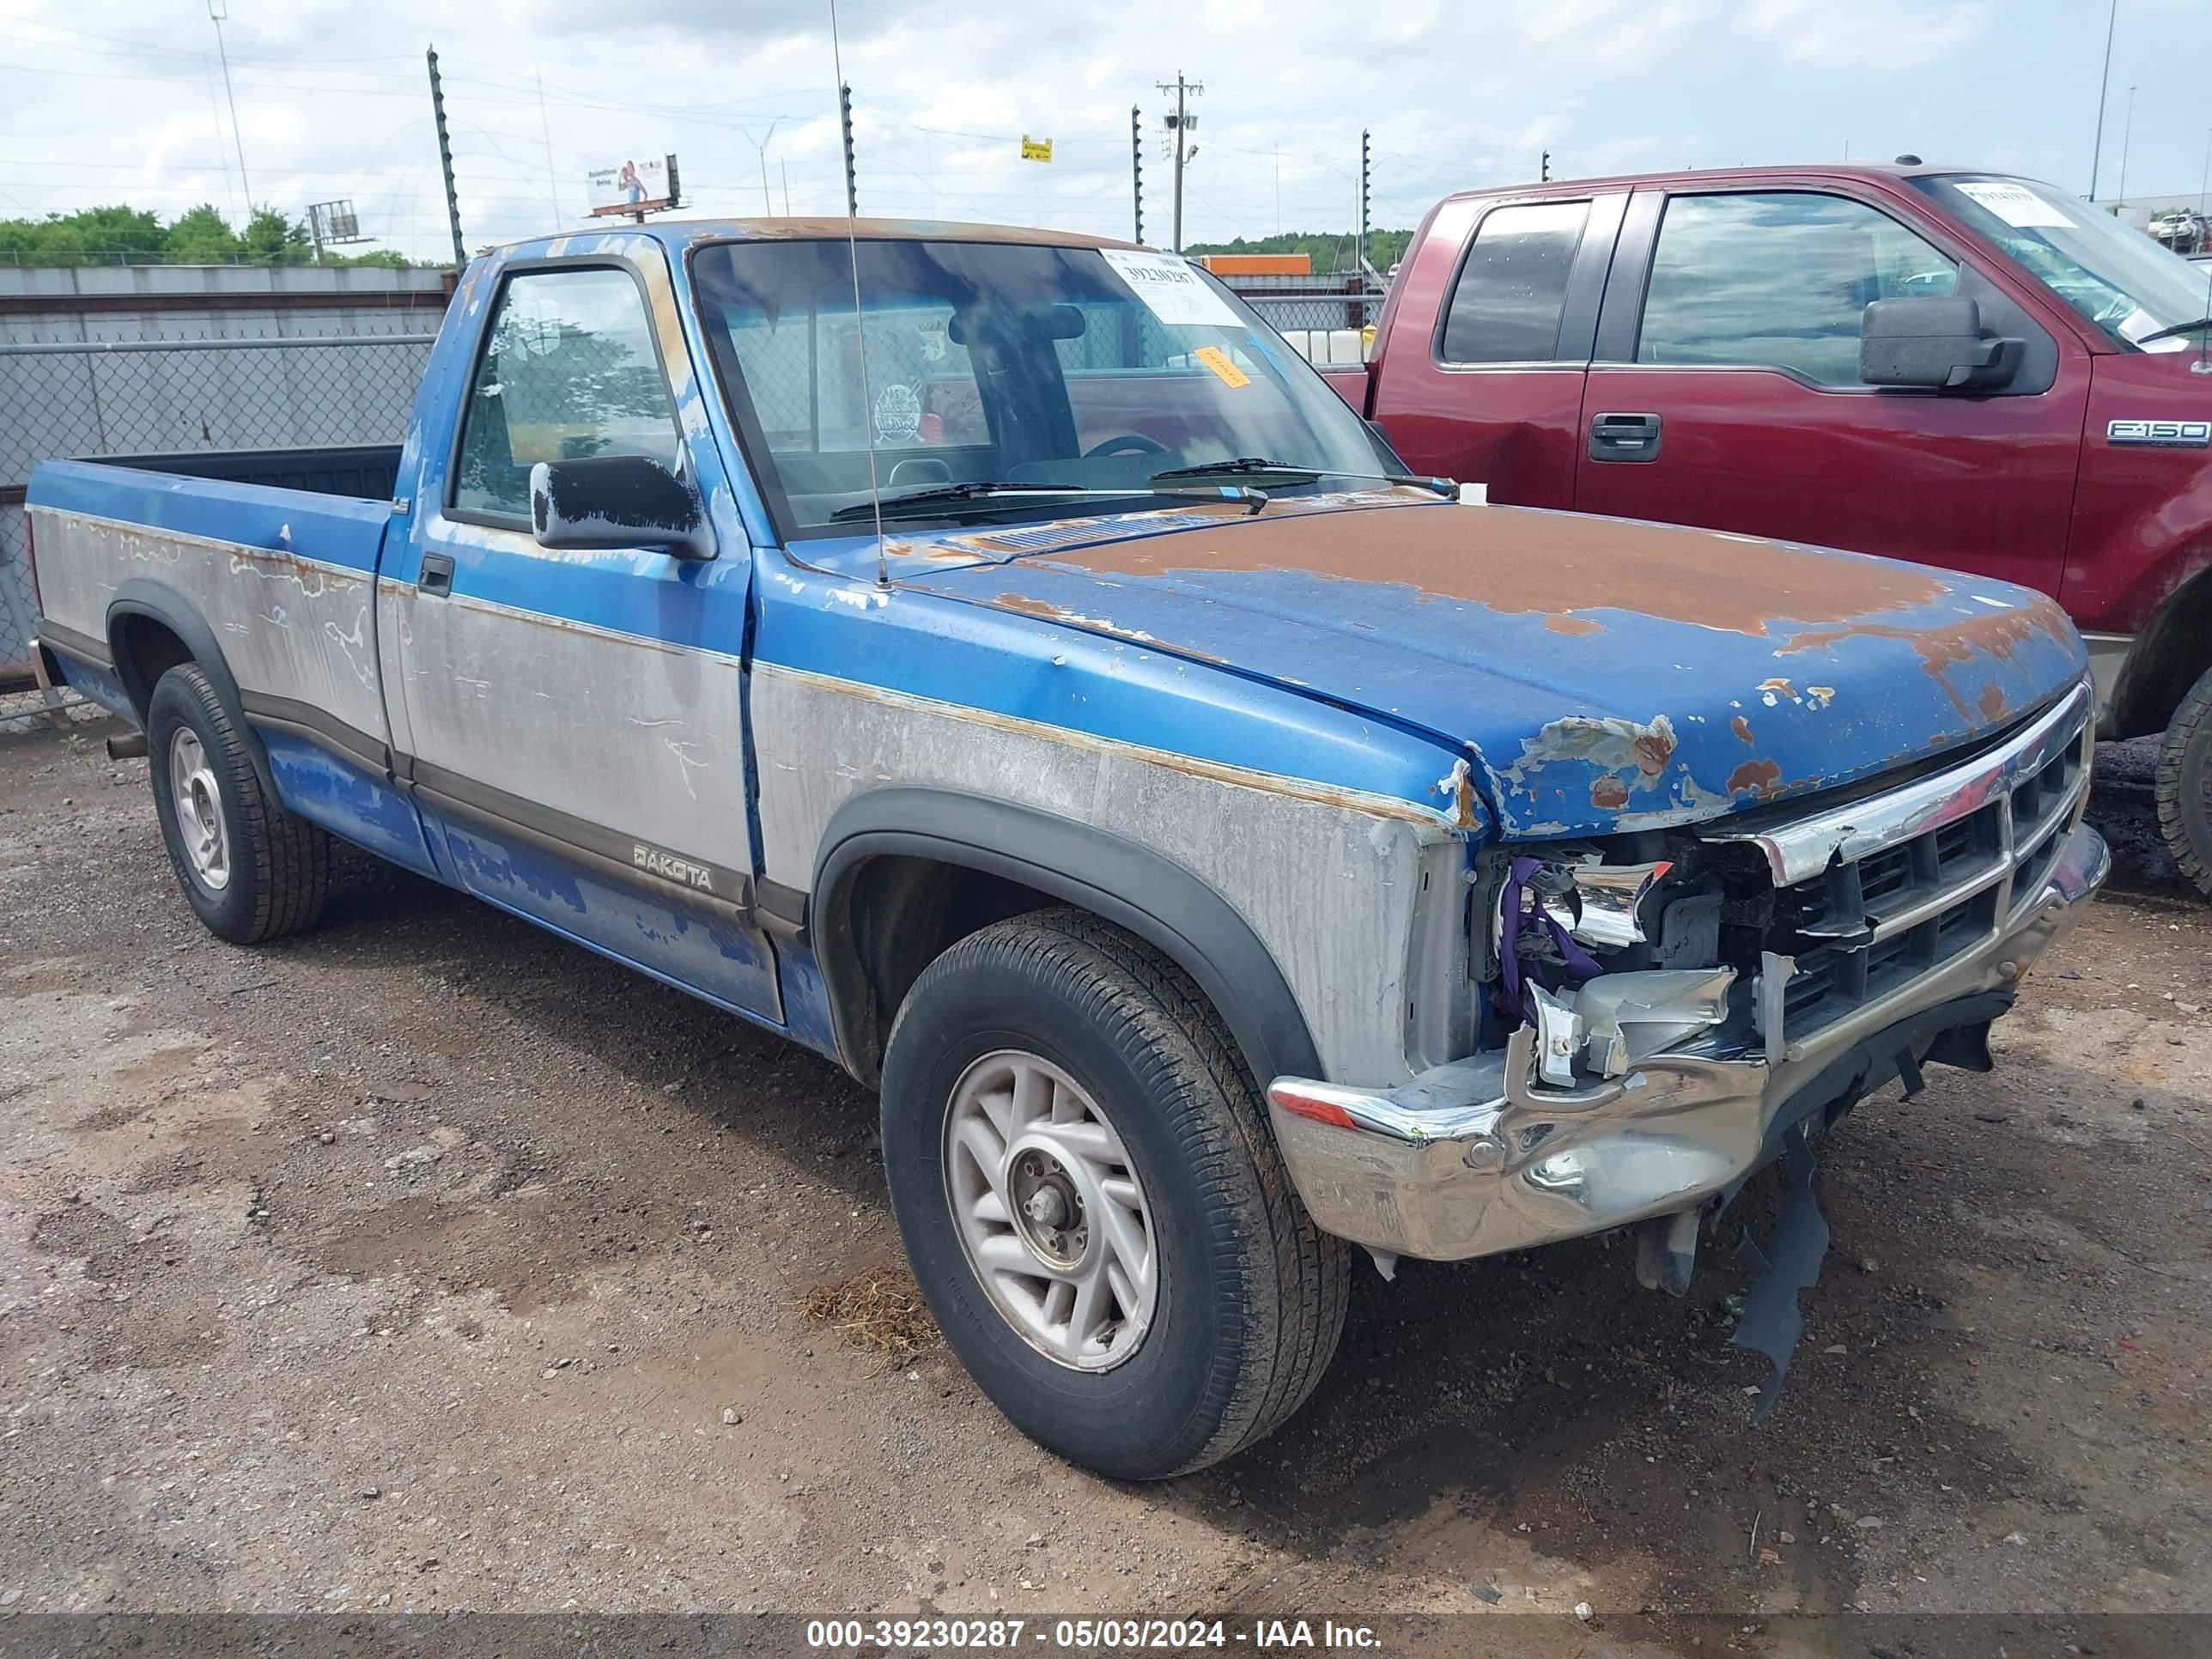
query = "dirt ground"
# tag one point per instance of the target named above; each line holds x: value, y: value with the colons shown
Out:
x: 427, y: 1262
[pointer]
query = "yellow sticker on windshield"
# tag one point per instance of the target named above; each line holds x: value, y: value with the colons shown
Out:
x: 1218, y: 359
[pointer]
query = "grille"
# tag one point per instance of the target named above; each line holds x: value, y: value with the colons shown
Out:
x: 1874, y: 895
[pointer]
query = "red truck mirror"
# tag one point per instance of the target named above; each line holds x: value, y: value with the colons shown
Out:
x: 612, y: 501
x: 1933, y: 343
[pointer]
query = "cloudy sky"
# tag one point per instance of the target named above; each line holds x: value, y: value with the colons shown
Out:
x: 123, y: 101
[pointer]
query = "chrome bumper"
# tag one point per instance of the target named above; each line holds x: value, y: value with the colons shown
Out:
x: 1477, y: 1157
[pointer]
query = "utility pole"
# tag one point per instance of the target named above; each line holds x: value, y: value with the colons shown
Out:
x: 446, y: 161
x: 1544, y: 169
x: 852, y: 181
x: 217, y: 11
x: 1137, y: 167
x: 2104, y: 80
x: 1179, y: 124
x: 2127, y: 135
x: 1364, y: 180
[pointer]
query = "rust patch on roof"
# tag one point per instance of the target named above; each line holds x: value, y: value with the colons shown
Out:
x: 1782, y: 687
x: 821, y: 228
x: 1741, y: 727
x: 1573, y: 625
x: 1522, y: 561
x: 1764, y: 776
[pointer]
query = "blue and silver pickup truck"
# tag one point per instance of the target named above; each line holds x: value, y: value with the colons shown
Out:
x: 995, y: 660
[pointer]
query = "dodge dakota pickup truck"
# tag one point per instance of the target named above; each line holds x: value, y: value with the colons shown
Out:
x: 992, y: 659
x: 1961, y: 368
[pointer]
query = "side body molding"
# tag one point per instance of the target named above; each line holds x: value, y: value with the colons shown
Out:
x: 1128, y: 885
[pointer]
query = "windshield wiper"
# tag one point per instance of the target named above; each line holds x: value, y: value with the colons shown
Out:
x: 1256, y: 465
x: 2178, y: 328
x: 986, y: 495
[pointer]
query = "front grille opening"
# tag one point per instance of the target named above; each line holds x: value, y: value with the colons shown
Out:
x: 1830, y: 983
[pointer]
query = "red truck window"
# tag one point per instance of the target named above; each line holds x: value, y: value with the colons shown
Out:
x: 1505, y: 306
x: 1779, y: 280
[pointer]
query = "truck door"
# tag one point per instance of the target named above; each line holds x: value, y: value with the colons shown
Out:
x: 1492, y: 395
x: 573, y: 719
x: 1725, y: 390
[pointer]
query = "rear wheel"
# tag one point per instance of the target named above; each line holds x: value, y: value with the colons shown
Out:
x: 1093, y: 1204
x: 251, y: 870
x: 2185, y: 784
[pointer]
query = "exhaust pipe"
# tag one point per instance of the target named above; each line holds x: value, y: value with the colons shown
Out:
x: 132, y: 746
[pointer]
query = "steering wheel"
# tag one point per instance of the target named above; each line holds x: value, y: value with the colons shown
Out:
x: 1124, y: 443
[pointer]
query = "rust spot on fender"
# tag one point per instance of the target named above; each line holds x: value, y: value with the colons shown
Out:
x: 1764, y: 776
x: 1653, y: 749
x: 1573, y: 625
x: 1741, y: 727
x: 1992, y: 701
x: 1546, y: 564
x: 1609, y: 793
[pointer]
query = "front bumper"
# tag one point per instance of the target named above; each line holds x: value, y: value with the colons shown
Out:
x: 1477, y: 1157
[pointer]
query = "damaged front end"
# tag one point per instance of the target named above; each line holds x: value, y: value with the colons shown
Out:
x: 1666, y: 1013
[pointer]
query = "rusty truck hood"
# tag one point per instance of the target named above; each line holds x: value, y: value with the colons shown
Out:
x: 1598, y: 674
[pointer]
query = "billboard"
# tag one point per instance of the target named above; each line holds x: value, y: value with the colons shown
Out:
x: 635, y: 186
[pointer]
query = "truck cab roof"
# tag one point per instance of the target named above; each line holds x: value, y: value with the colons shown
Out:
x: 1808, y: 172
x: 679, y: 234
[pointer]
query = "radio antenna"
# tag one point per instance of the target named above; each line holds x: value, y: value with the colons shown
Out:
x: 860, y: 327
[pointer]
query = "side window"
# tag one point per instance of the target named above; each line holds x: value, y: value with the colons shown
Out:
x: 1506, y: 306
x: 1779, y: 280
x: 570, y: 370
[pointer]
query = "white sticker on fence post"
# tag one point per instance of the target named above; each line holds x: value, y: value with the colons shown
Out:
x: 1171, y: 289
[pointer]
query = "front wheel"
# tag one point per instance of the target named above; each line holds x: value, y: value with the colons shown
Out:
x: 1093, y: 1204
x: 2185, y: 784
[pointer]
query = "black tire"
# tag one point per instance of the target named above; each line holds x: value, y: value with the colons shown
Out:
x: 2185, y: 784
x: 1251, y: 1296
x: 279, y: 865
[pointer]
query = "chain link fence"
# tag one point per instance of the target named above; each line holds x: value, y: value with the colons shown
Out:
x: 1328, y: 328
x: 84, y: 400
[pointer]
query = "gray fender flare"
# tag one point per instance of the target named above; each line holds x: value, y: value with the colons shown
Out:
x: 142, y: 596
x: 1127, y: 883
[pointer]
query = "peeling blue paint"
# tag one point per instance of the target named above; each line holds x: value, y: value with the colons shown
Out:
x: 346, y: 800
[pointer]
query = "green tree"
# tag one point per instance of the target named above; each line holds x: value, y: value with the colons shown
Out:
x: 270, y: 239
x: 201, y: 235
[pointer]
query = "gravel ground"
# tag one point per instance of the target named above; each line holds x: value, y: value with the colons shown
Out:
x: 427, y: 1262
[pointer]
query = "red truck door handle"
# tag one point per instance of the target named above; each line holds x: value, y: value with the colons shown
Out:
x: 1623, y: 438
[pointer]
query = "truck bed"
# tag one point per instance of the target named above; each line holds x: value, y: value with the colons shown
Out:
x: 263, y: 560
x: 369, y: 471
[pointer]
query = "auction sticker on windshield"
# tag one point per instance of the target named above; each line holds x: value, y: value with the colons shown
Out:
x: 1171, y: 290
x: 2016, y: 205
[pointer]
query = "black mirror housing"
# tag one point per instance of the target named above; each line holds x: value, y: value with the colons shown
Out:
x: 604, y: 502
x: 1933, y: 343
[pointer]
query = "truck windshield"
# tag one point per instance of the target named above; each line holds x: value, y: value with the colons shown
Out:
x: 1003, y: 363
x: 2121, y: 280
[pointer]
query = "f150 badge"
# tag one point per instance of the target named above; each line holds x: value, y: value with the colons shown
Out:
x: 2161, y: 434
x: 669, y: 867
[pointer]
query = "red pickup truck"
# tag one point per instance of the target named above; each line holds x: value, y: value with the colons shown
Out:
x: 1960, y: 368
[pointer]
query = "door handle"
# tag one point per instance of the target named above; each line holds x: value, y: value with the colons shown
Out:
x: 1623, y: 438
x: 436, y: 579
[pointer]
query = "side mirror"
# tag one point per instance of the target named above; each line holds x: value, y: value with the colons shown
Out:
x: 607, y: 501
x: 1933, y: 343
